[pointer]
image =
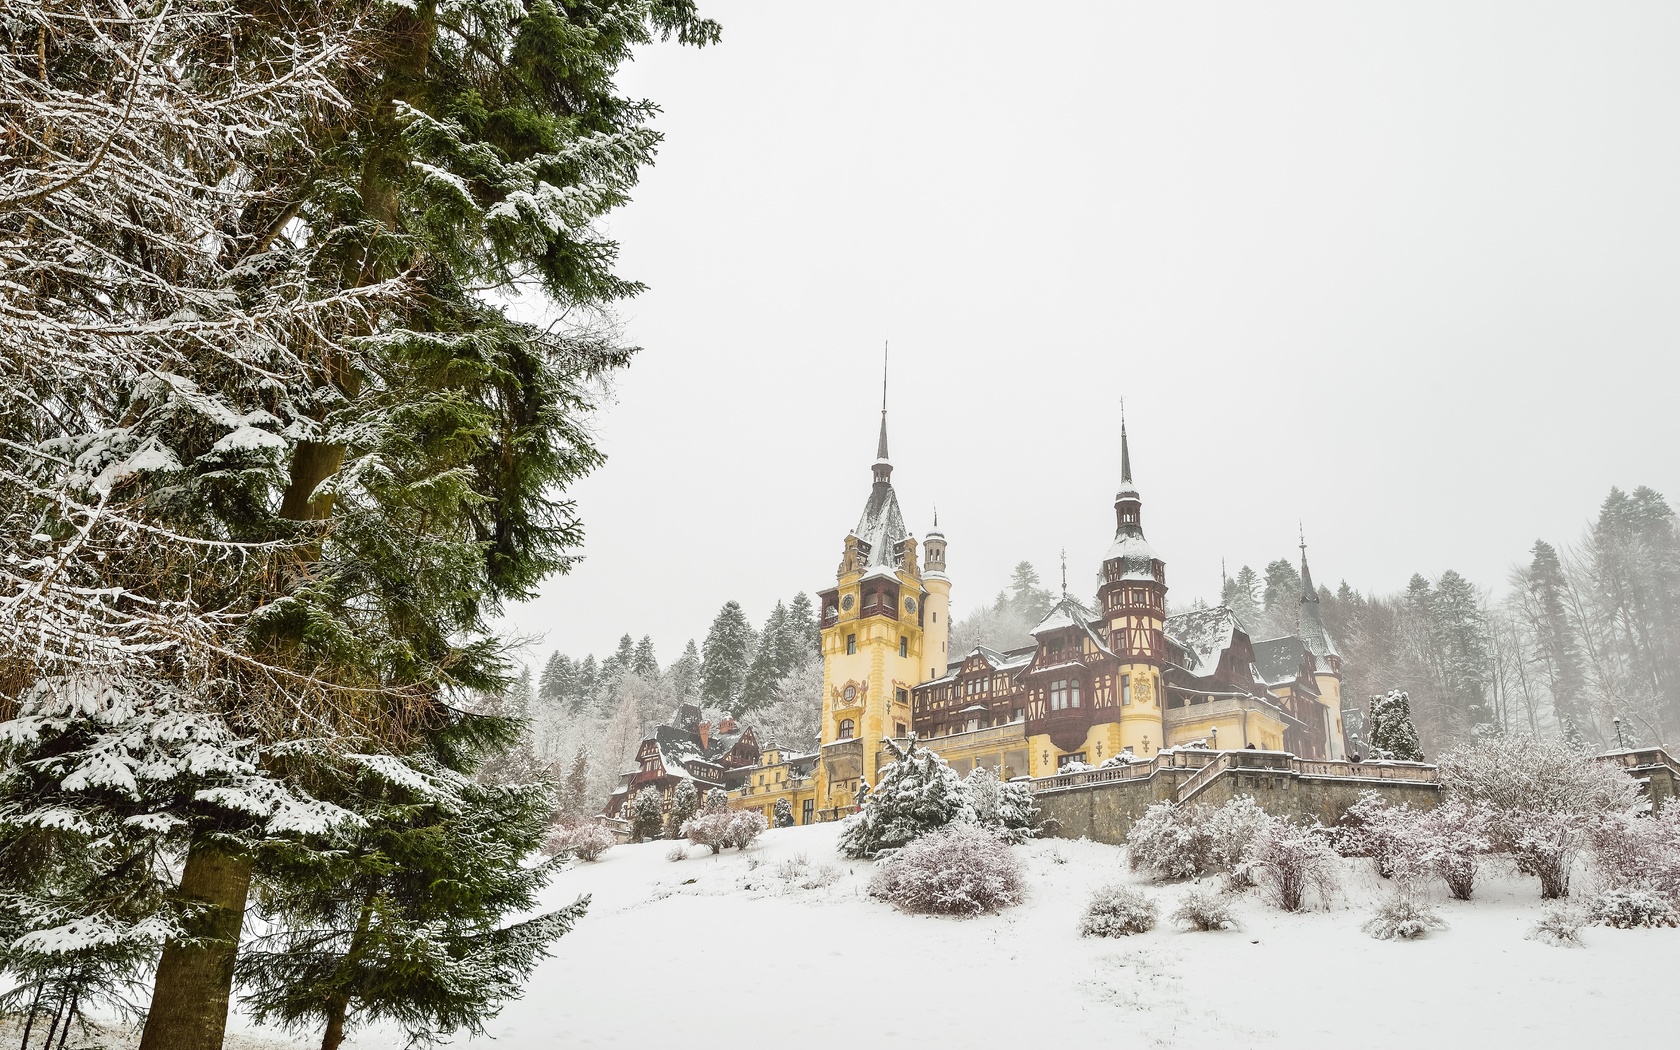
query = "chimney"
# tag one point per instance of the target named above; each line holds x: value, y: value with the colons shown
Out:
x: 705, y: 731
x: 727, y: 725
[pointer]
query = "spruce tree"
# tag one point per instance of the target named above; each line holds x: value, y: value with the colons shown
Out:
x: 1389, y: 728
x: 645, y: 665
x: 646, y: 813
x: 1283, y: 585
x: 360, y: 932
x: 685, y: 802
x: 1543, y: 590
x: 558, y: 680
x: 915, y: 793
x: 725, y: 656
x: 1244, y: 598
x: 588, y: 684
x: 784, y: 813
x: 802, y: 629
x: 685, y: 674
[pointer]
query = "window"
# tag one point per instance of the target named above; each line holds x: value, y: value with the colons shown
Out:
x: 1125, y: 689
x: 1076, y: 756
x: 935, y: 617
x: 851, y: 644
x: 847, y: 728
x: 904, y: 696
x: 1055, y: 645
x: 809, y: 811
x: 903, y: 646
x: 1064, y: 694
x: 898, y: 730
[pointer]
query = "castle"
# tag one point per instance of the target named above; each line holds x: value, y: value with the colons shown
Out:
x: 1108, y: 686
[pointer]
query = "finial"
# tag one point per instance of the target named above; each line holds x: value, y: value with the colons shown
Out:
x: 1303, y: 527
x: 881, y: 446
x: 1125, y: 448
x: 1064, y: 572
x: 1224, y: 576
x: 936, y: 515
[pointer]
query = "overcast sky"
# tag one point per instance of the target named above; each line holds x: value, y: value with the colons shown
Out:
x: 1406, y: 272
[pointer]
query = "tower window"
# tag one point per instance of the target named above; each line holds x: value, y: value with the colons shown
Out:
x: 903, y: 646
x: 1064, y: 694
x: 935, y: 617
x: 1125, y: 689
x: 851, y: 644
x: 847, y: 728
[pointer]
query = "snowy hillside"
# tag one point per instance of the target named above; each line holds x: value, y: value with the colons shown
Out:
x: 735, y: 949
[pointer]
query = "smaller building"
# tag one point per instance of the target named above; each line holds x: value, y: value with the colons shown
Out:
x: 687, y: 748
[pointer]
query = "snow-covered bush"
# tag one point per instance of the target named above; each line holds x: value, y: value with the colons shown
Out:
x: 961, y: 869
x: 1184, y: 842
x: 1411, y: 845
x: 1559, y: 925
x: 1117, y: 911
x: 1204, y: 910
x: 915, y: 794
x: 797, y: 871
x: 1389, y: 728
x: 784, y: 813
x: 1626, y: 909
x: 1634, y: 852
x: 1073, y: 765
x: 744, y: 827
x: 1006, y: 808
x: 717, y: 800
x: 1545, y: 801
x: 1124, y: 758
x: 1403, y: 916
x: 677, y: 852
x: 1289, y: 862
x: 585, y: 841
x: 646, y: 813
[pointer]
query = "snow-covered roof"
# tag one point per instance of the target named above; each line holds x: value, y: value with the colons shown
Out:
x: 1204, y: 635
x: 1278, y: 660
x: 1065, y: 613
x: 1133, y: 547
x: 881, y: 526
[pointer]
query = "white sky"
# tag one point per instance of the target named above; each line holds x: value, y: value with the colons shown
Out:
x: 1406, y: 271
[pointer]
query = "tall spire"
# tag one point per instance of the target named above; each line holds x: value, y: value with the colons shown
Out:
x: 881, y: 448
x: 1309, y: 622
x: 1308, y: 592
x: 1125, y: 448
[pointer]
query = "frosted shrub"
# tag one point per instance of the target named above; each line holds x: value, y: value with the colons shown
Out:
x: 1560, y: 926
x: 1412, y: 846
x: 1073, y: 765
x: 958, y: 870
x: 744, y: 827
x: 1204, y: 910
x: 1289, y: 862
x: 1545, y: 801
x: 1403, y: 916
x: 646, y: 813
x: 1626, y: 909
x: 585, y: 841
x: 1117, y: 911
x: 1632, y: 852
x: 1375, y: 829
x: 1453, y: 838
x: 677, y: 852
x: 1004, y: 808
x: 1124, y: 758
x: 1184, y: 842
x: 719, y: 829
x: 1163, y: 843
x: 915, y: 794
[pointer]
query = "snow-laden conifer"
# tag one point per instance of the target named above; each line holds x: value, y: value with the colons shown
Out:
x: 916, y: 793
x: 1389, y: 729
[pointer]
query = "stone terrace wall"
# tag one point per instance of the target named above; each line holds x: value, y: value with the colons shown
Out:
x: 1105, y: 812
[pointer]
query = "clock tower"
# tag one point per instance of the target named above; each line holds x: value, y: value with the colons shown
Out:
x: 876, y: 632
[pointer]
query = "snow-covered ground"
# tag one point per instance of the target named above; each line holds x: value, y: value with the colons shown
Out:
x: 728, y: 950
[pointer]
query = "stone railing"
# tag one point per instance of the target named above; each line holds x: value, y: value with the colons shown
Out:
x: 1417, y: 772
x: 1204, y: 776
x: 1065, y: 781
x: 1007, y: 733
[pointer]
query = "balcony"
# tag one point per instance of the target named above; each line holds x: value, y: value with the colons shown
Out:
x: 843, y: 759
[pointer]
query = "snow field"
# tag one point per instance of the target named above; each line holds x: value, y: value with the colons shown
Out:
x: 667, y: 944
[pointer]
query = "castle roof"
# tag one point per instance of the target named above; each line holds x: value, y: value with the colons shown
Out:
x: 1065, y: 613
x: 1309, y: 621
x: 1204, y: 635
x: 1278, y: 660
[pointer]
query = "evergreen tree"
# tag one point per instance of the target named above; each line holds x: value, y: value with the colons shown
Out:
x: 725, y: 657
x: 1460, y: 630
x: 802, y: 626
x: 1541, y: 593
x: 575, y: 803
x: 1243, y: 597
x: 685, y: 674
x: 588, y: 686
x: 1026, y: 598
x: 916, y: 793
x: 717, y: 800
x: 559, y: 680
x: 1389, y: 728
x: 644, y: 665
x: 1283, y: 586
x: 646, y: 813
x: 784, y: 813
x: 360, y: 932
x: 685, y: 802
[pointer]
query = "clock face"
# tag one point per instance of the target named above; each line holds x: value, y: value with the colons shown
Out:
x: 909, y: 605
x: 846, y: 603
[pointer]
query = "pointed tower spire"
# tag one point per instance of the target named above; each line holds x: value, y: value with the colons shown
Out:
x: 1308, y: 592
x: 1309, y: 622
x: 1064, y: 572
x: 883, y: 466
x: 1125, y: 448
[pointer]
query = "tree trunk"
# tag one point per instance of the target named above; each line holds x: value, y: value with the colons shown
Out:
x: 195, y: 978
x: 334, y: 1035
x: 339, y: 1005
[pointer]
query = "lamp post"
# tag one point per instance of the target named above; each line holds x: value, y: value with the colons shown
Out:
x: 1620, y: 744
x: 1213, y: 734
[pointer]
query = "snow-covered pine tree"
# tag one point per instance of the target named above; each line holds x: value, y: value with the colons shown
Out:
x: 717, y: 800
x: 645, y: 665
x: 558, y: 682
x: 725, y: 657
x: 575, y: 803
x: 1244, y: 597
x: 290, y: 406
x: 784, y: 813
x: 1389, y: 728
x: 359, y: 932
x: 588, y: 683
x: 646, y: 813
x: 802, y: 628
x: 916, y: 793
x: 684, y: 674
x: 685, y: 802
x: 1005, y: 808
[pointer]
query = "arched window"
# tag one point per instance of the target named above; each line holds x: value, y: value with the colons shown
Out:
x: 847, y: 727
